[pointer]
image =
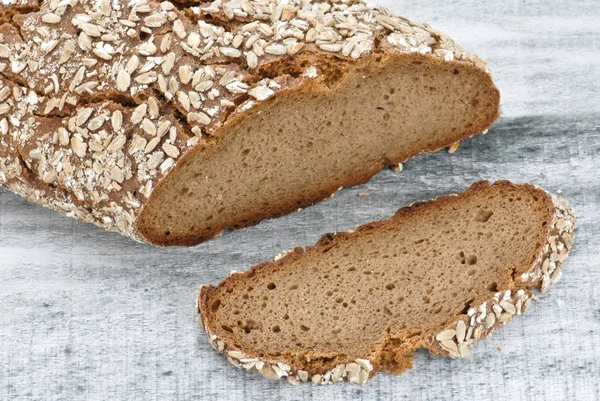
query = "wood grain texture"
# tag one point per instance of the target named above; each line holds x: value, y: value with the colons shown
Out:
x: 86, y: 314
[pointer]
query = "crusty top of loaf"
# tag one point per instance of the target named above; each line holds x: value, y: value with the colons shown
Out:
x: 99, y: 99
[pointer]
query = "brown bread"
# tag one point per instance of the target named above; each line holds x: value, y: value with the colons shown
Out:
x: 437, y: 275
x: 169, y: 122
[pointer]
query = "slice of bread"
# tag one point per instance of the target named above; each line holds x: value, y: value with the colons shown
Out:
x: 437, y: 275
x: 170, y: 122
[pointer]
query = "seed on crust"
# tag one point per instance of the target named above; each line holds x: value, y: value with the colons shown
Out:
x: 170, y: 150
x: 154, y: 21
x: 137, y: 143
x: 163, y: 128
x: 96, y: 122
x: 331, y: 47
x: 198, y: 117
x: 261, y: 92
x: 83, y: 116
x: 77, y: 79
x: 251, y: 59
x: 490, y: 320
x: 179, y: 29
x: 51, y: 18
x: 185, y: 74
x: 91, y: 30
x: 365, y: 364
x: 148, y: 127
x: 463, y: 350
x: 166, y: 165
x: 449, y: 346
x: 155, y: 159
x: 461, y: 330
x: 4, y: 108
x: 4, y: 51
x: 302, y: 375
x: 230, y: 52
x: 123, y: 81
x: 508, y: 307
x: 117, y: 174
x: 116, y: 120
x: 275, y: 49
x: 139, y: 113
x: 169, y: 63
x: 146, y: 78
x: 132, y: 64
x: 446, y: 335
x: 117, y: 143
x: 151, y: 145
x: 78, y: 146
x: 63, y: 136
x: 153, y: 109
x: 353, y: 372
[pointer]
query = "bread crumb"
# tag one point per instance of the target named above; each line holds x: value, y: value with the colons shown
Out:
x: 453, y: 147
x: 361, y: 194
x: 499, y: 349
x: 559, y: 191
x: 397, y: 168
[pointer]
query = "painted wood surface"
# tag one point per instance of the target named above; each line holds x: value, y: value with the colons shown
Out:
x: 86, y: 314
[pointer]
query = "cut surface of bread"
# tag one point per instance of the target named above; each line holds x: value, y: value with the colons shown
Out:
x: 305, y: 144
x: 437, y: 275
x: 170, y: 122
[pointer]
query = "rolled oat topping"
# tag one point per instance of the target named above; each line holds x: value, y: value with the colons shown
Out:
x: 92, y: 90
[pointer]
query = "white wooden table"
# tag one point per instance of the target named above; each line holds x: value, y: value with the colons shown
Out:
x: 90, y: 315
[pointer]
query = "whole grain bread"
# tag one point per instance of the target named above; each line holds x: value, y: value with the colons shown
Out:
x: 438, y: 275
x: 169, y: 122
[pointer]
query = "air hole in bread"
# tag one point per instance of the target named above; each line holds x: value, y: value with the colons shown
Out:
x: 249, y: 325
x: 466, y: 307
x: 215, y: 305
x: 483, y: 215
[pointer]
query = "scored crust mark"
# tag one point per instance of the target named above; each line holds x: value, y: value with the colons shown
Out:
x: 10, y: 8
x: 480, y: 318
x: 197, y: 66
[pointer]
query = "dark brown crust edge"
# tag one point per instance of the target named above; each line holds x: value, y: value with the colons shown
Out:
x: 453, y: 340
x: 357, y: 179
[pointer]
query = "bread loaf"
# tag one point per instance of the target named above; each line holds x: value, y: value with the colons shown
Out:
x: 438, y: 275
x: 169, y: 122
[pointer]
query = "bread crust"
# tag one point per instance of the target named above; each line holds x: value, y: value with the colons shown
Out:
x: 57, y: 64
x: 484, y: 316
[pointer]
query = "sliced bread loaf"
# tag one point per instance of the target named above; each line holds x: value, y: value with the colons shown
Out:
x: 170, y: 122
x: 437, y: 275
